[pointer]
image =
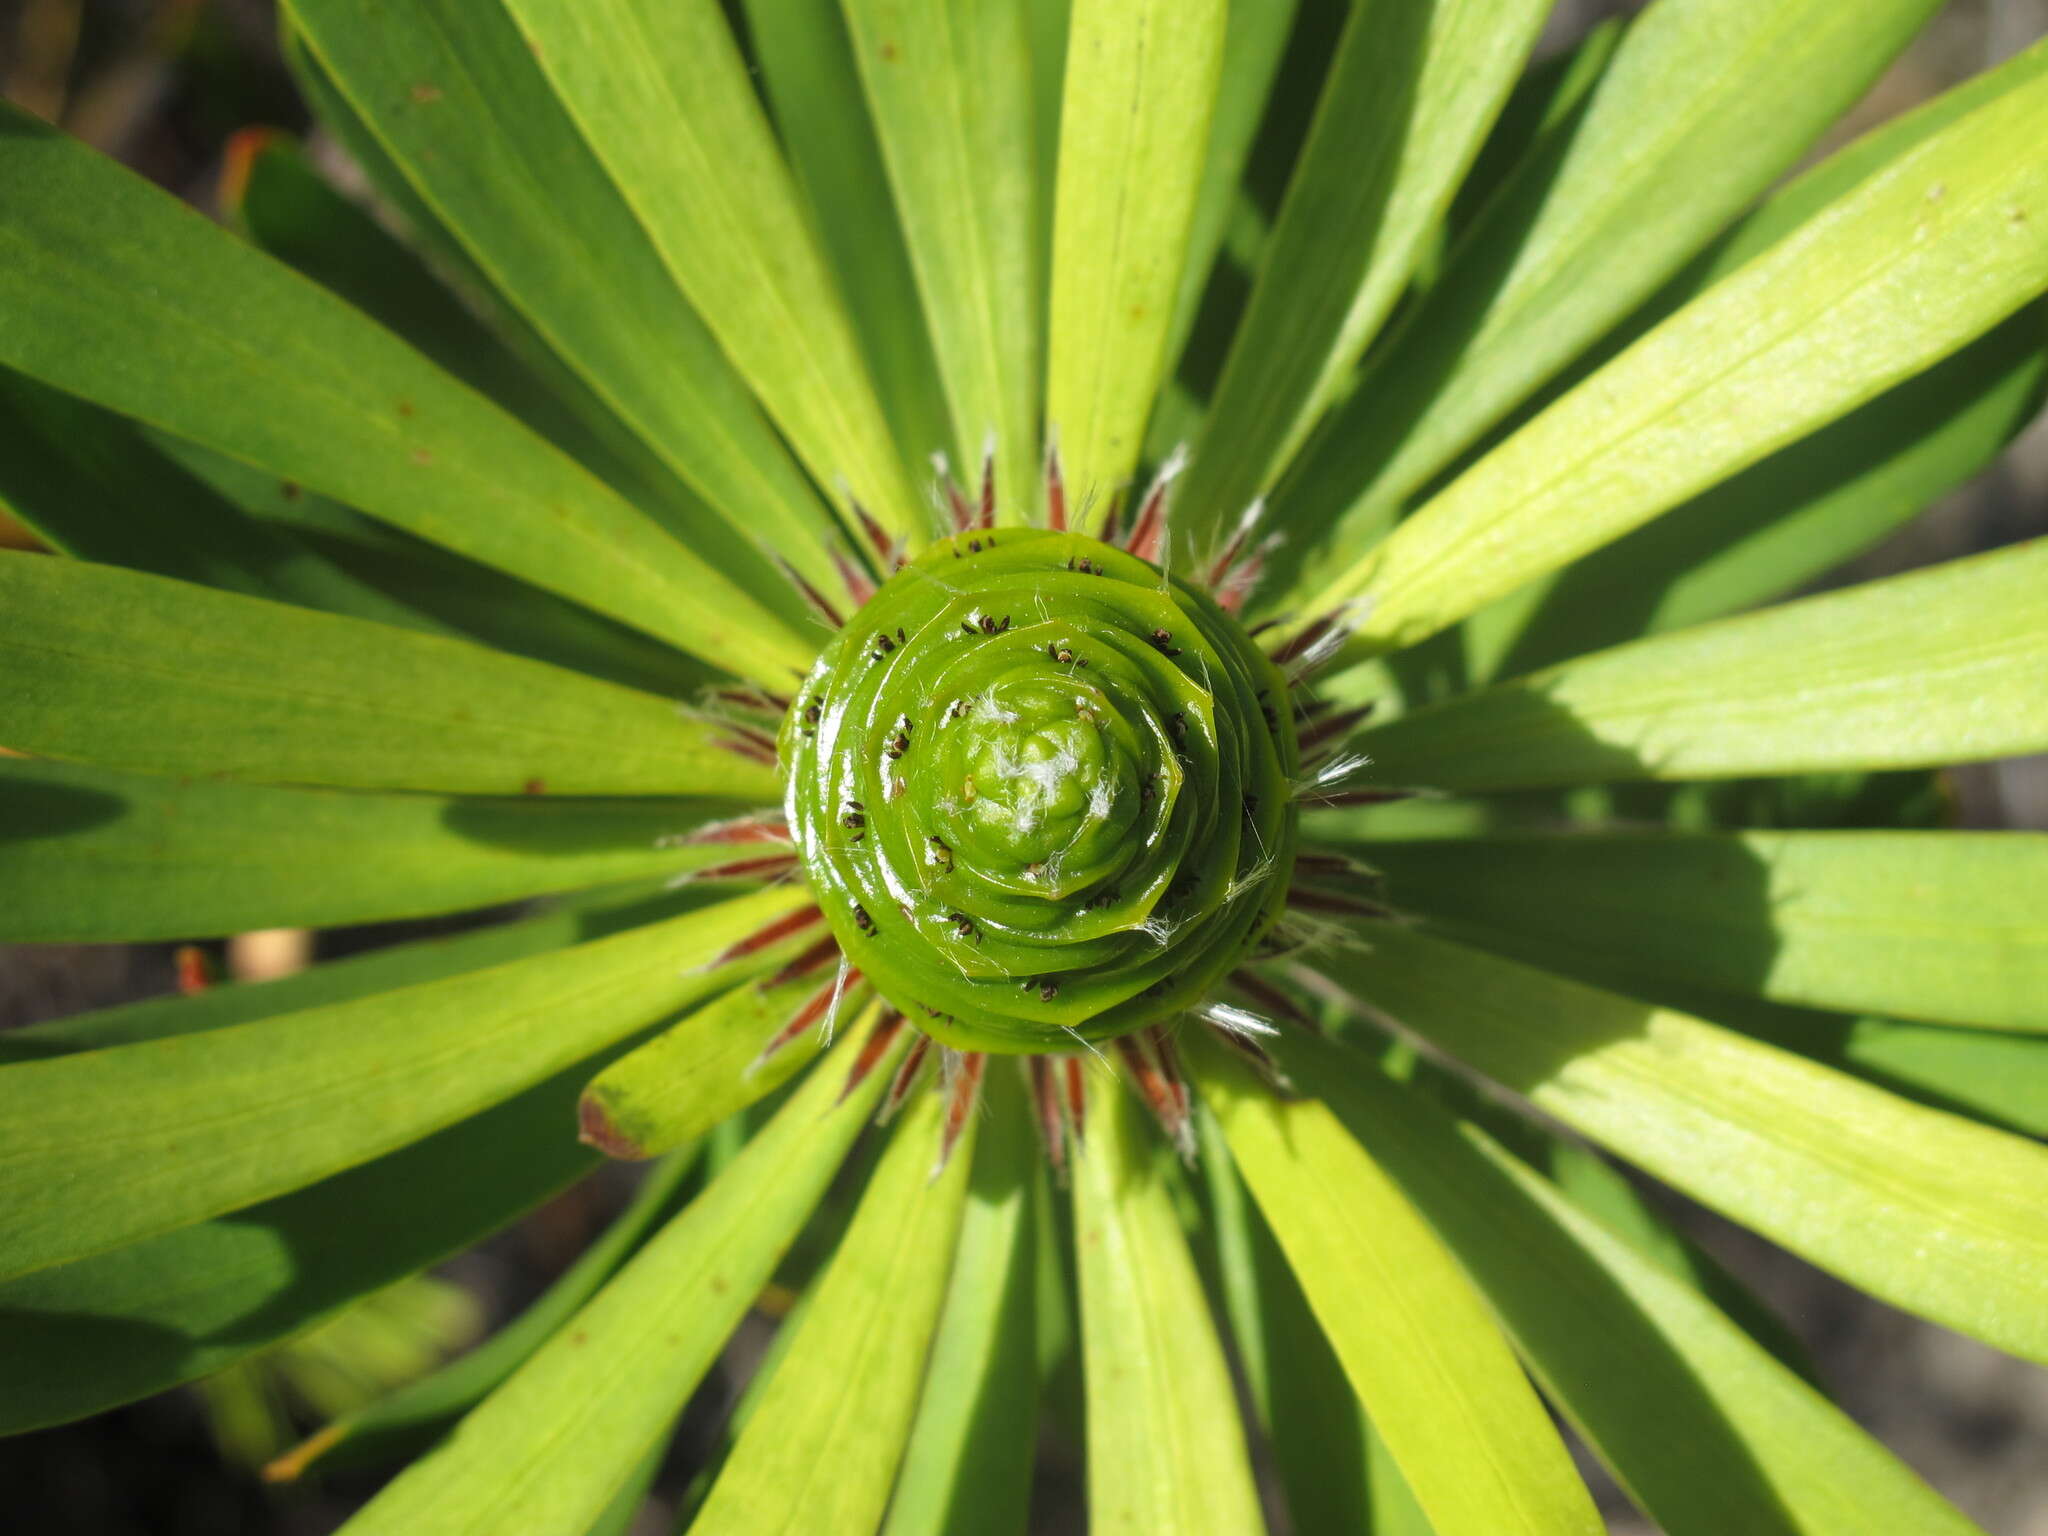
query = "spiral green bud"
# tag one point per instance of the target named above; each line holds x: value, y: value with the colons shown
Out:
x: 1042, y: 791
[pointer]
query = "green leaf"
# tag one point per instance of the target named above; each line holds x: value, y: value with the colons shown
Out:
x: 93, y: 856
x: 115, y: 291
x: 89, y: 1335
x: 1946, y: 926
x: 662, y: 97
x: 1422, y: 1352
x: 1140, y: 86
x: 1254, y: 46
x: 381, y: 970
x: 111, y: 1147
x: 1166, y: 1451
x: 821, y: 1449
x: 552, y: 1446
x: 404, y: 1421
x: 457, y: 101
x: 950, y: 87
x: 1704, y: 104
x: 138, y: 672
x: 701, y: 1069
x: 967, y: 1467
x: 1702, y: 1427
x: 2000, y: 1077
x: 433, y: 590
x: 1809, y: 506
x: 1408, y: 100
x: 94, y: 486
x: 1922, y: 1209
x: 813, y: 90
x: 1334, y: 1468
x: 277, y: 198
x: 1938, y: 666
x: 1906, y: 268
x: 1782, y: 522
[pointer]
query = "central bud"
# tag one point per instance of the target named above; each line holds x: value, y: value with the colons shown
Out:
x: 1042, y: 791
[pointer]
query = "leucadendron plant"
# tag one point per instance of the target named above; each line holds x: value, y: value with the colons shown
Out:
x: 1190, y: 609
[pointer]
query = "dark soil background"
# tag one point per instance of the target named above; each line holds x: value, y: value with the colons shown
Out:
x: 161, y: 84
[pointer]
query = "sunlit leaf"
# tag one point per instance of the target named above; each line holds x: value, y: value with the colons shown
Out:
x: 1166, y: 1453
x: 117, y: 292
x: 1409, y: 97
x: 1704, y: 104
x: 1421, y: 1349
x: 1141, y: 83
x: 550, y: 1448
x: 137, y: 672
x: 110, y: 1147
x: 821, y: 1449
x: 1947, y: 926
x: 967, y: 1468
x: 1704, y: 1429
x: 1830, y: 317
x: 93, y: 855
x: 1938, y: 666
x: 714, y: 195
x: 812, y: 86
x: 950, y: 87
x: 1851, y: 1178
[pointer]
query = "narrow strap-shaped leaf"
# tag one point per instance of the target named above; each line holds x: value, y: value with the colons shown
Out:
x: 252, y: 1111
x: 115, y: 291
x: 93, y: 485
x: 1809, y: 506
x: 703, y: 1068
x: 1415, y: 1337
x: 1166, y: 1451
x: 551, y: 1447
x: 1140, y: 86
x: 457, y: 100
x: 1830, y: 317
x: 1700, y: 1424
x: 138, y: 672
x: 821, y: 1449
x: 1946, y: 926
x: 94, y: 856
x: 274, y: 194
x: 1704, y: 104
x: 950, y: 87
x: 661, y: 94
x: 812, y: 86
x: 1782, y: 522
x: 404, y: 1419
x: 1998, y: 1077
x: 439, y: 592
x: 1938, y: 666
x: 967, y: 1468
x: 1920, y: 1208
x: 1253, y: 47
x: 1409, y: 98
x: 89, y: 1335
x: 333, y: 981
x: 1333, y: 1466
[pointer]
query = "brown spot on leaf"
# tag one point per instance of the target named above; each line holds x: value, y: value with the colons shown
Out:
x: 888, y: 53
x: 290, y: 488
x: 425, y: 94
x: 422, y: 456
x: 594, y: 1128
x: 535, y: 787
x: 405, y: 407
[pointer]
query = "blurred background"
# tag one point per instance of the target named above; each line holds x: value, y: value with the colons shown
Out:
x: 163, y: 85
